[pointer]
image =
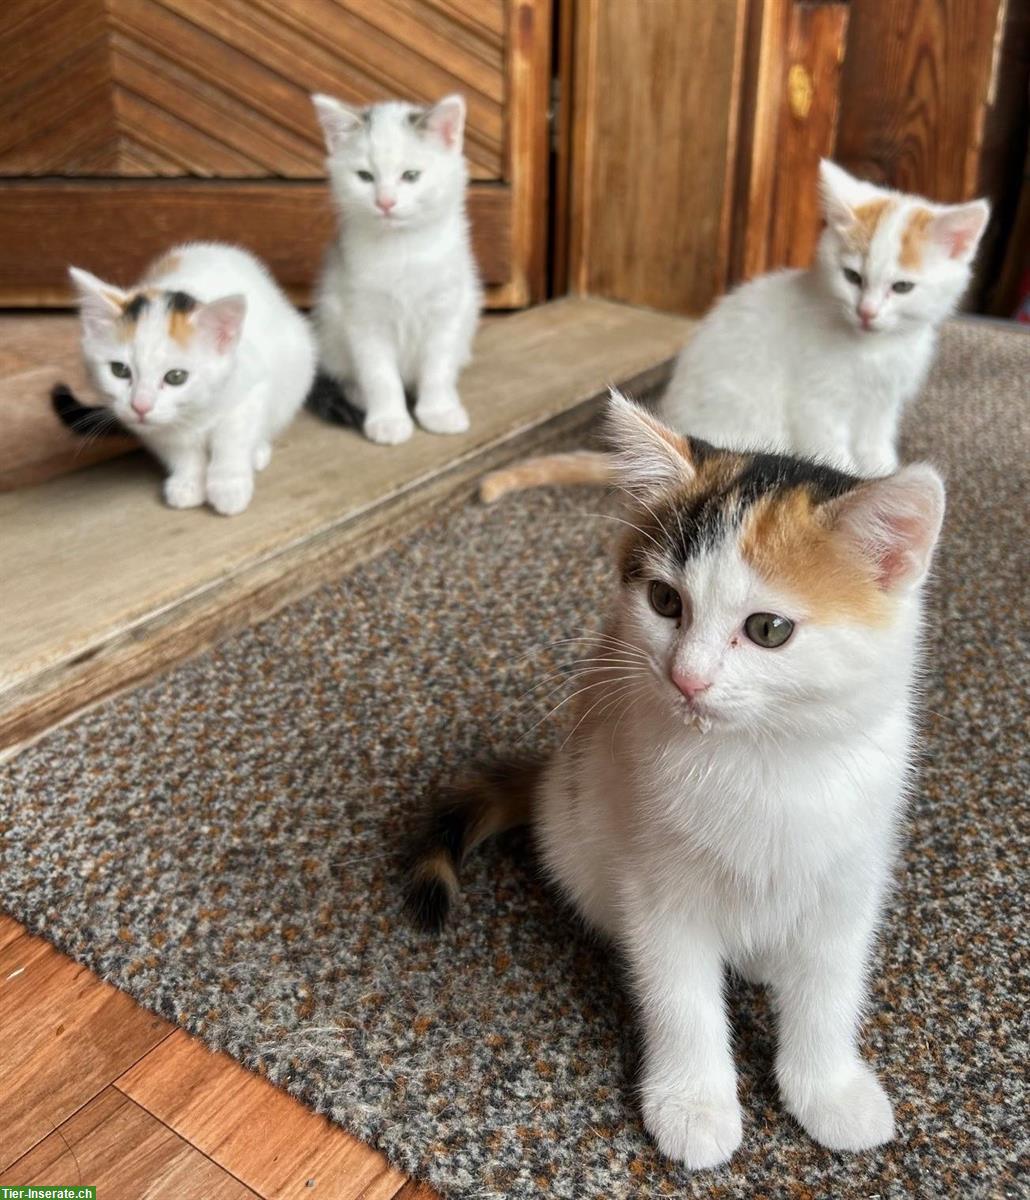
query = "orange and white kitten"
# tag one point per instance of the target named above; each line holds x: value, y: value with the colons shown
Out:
x: 818, y: 362
x: 732, y: 790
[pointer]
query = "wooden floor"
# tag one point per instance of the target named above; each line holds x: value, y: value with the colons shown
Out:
x: 96, y: 1090
x: 111, y: 585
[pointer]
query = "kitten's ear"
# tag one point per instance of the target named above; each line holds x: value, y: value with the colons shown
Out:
x: 840, y: 194
x: 100, y: 303
x: 894, y: 523
x: 338, y: 120
x: 446, y: 121
x: 958, y: 229
x: 221, y: 321
x: 649, y: 457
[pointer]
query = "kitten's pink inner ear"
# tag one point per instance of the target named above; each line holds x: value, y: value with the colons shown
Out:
x: 222, y: 321
x: 895, y: 523
x: 338, y: 121
x: 447, y: 121
x: 959, y: 229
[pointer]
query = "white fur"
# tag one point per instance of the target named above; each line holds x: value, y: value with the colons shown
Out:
x: 250, y: 363
x: 754, y: 828
x: 399, y: 298
x: 784, y: 361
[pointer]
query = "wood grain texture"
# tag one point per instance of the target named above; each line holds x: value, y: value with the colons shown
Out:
x: 656, y: 111
x: 64, y: 1034
x: 116, y: 229
x: 64, y: 647
x: 127, y: 1154
x: 219, y: 88
x: 10, y: 931
x: 258, y: 1133
x: 915, y: 91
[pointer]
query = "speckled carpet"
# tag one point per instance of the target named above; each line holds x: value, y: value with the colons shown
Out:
x: 226, y: 845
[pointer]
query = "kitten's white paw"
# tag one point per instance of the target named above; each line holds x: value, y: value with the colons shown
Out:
x: 230, y: 494
x: 389, y: 430
x: 699, y: 1134
x: 184, y: 491
x: 262, y: 456
x: 447, y: 418
x: 852, y: 1114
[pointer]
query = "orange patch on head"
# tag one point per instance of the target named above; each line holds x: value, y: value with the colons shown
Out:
x: 789, y: 541
x: 180, y: 328
x: 914, y: 238
x: 867, y: 217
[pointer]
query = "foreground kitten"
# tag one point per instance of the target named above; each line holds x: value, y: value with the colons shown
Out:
x: 399, y: 296
x: 818, y: 362
x: 205, y: 361
x: 731, y: 790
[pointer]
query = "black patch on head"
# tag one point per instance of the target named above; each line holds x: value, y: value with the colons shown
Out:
x: 180, y: 302
x: 131, y: 311
x: 417, y: 117
x: 689, y: 527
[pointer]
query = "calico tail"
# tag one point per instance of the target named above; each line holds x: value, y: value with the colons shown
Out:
x: 327, y: 399
x: 463, y: 816
x: 81, y: 418
x: 579, y: 466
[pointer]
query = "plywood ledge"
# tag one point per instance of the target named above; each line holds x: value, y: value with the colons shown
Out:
x: 109, y: 586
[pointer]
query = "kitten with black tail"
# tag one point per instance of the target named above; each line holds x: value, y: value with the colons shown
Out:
x: 732, y: 790
x: 205, y: 361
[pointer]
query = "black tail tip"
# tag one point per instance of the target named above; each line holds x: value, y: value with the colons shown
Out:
x: 428, y: 904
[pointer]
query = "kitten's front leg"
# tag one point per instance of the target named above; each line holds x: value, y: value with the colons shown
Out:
x: 382, y: 391
x: 185, y: 462
x: 230, y: 474
x: 818, y: 988
x: 438, y: 408
x: 688, y: 1086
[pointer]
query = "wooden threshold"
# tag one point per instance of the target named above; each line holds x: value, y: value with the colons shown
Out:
x: 104, y: 586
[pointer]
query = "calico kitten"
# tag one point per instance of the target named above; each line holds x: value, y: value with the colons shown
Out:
x: 399, y: 297
x: 817, y: 362
x: 205, y: 361
x: 731, y: 792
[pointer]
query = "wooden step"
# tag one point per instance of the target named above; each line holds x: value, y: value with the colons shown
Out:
x: 102, y: 585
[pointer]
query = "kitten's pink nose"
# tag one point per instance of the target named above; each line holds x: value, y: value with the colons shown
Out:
x: 385, y: 203
x: 867, y: 311
x: 141, y: 405
x: 690, y: 685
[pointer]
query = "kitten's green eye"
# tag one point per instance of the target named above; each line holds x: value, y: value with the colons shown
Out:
x: 902, y: 286
x: 411, y: 176
x: 665, y: 600
x: 768, y: 630
x: 120, y: 371
x: 852, y: 277
x: 176, y: 377
x: 366, y: 176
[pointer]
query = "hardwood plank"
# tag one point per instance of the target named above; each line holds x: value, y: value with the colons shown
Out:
x: 915, y: 92
x: 258, y: 1133
x: 10, y: 930
x: 64, y: 1036
x: 127, y: 1154
x: 807, y: 129
x: 63, y: 646
x: 651, y: 181
x: 114, y: 228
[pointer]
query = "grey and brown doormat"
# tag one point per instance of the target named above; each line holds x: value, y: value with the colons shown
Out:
x: 226, y: 844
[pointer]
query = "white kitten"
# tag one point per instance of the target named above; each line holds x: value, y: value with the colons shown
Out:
x: 205, y: 361
x: 731, y: 790
x: 817, y: 362
x: 822, y: 361
x: 399, y: 297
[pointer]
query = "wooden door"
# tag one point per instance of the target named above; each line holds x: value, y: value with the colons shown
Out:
x: 127, y: 125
